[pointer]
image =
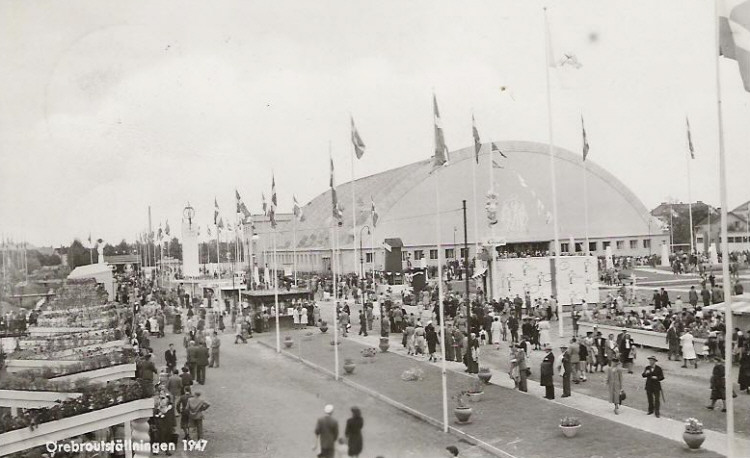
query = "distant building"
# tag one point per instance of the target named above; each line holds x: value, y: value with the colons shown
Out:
x: 708, y: 231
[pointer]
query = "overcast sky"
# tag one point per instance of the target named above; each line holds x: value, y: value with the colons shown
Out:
x: 107, y: 107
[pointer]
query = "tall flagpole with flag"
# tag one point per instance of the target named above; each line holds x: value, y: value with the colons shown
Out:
x: 688, y: 158
x: 585, y: 188
x: 477, y: 150
x: 358, y: 150
x: 729, y: 20
x: 216, y: 223
x: 336, y: 216
x: 440, y: 159
x: 374, y: 216
x: 550, y: 62
x: 272, y: 217
x: 298, y: 216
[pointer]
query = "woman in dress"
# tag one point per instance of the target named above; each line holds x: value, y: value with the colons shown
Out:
x: 303, y: 317
x: 353, y: 432
x: 627, y: 353
x: 472, y: 354
x: 744, y: 377
x: 544, y: 337
x: 614, y: 383
x: 718, y: 390
x: 295, y: 317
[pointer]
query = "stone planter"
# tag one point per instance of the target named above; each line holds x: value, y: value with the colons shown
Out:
x: 349, y: 367
x: 485, y: 377
x: 385, y: 344
x: 288, y: 342
x: 463, y: 414
x: 693, y: 441
x: 570, y: 431
x: 475, y: 397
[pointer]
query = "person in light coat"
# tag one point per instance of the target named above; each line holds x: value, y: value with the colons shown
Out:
x: 614, y: 383
x: 688, y: 350
x: 496, y: 331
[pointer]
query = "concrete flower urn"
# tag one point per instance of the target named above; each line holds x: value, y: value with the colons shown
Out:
x: 463, y: 414
x: 569, y: 431
x: 288, y: 342
x: 693, y: 440
x: 385, y: 344
x: 349, y: 366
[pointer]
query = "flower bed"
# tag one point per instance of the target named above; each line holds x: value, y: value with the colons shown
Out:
x: 93, y: 398
x: 45, y: 344
x: 51, y: 378
x: 72, y: 353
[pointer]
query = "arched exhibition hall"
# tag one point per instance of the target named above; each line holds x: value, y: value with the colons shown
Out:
x: 404, y: 199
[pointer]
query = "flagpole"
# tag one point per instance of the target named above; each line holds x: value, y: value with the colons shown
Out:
x: 476, y: 218
x: 276, y: 293
x: 728, y: 384
x: 218, y: 269
x: 334, y: 265
x: 585, y: 206
x: 551, y: 148
x: 354, y: 221
x: 443, y: 373
x: 294, y: 248
x: 690, y: 207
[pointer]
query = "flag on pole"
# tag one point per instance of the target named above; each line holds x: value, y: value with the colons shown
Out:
x: 89, y: 238
x: 220, y: 225
x: 241, y: 207
x: 734, y: 35
x: 272, y: 207
x: 160, y: 234
x: 265, y: 205
x: 374, y: 213
x: 359, y: 145
x: 441, y: 150
x: 521, y: 181
x: 690, y: 139
x: 297, y: 210
x: 336, y: 209
x: 216, y: 211
x: 496, y: 149
x: 208, y: 229
x: 166, y: 228
x: 585, y: 140
x: 477, y: 141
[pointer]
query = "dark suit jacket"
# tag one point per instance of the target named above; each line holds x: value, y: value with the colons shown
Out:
x: 653, y: 376
x: 201, y: 356
x: 171, y: 357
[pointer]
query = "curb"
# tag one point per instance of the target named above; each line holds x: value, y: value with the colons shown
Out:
x: 404, y: 408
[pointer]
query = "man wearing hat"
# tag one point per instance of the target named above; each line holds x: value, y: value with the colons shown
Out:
x: 653, y: 375
x: 565, y: 368
x: 546, y: 372
x: 327, y: 430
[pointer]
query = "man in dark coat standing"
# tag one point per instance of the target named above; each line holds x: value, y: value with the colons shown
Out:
x: 665, y: 298
x: 705, y: 296
x: 201, y: 361
x: 546, y: 372
x: 566, y: 367
x: 326, y: 433
x: 653, y: 375
x: 170, y: 356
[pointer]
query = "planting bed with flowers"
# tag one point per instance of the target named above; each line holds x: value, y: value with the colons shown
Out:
x: 94, y: 397
x: 42, y: 344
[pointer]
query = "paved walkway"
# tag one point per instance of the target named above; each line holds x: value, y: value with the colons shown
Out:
x: 511, y: 422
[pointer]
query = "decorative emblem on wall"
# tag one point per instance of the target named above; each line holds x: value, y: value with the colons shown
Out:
x: 513, y: 215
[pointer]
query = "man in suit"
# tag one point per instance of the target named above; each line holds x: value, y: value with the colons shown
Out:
x: 657, y: 300
x: 546, y: 372
x: 565, y: 367
x: 201, y: 361
x: 170, y: 356
x: 665, y: 298
x: 326, y: 433
x: 192, y: 358
x: 653, y: 375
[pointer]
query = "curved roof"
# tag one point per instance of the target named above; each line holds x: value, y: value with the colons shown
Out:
x: 405, y: 201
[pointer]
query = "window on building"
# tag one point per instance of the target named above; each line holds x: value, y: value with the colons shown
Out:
x: 592, y: 246
x: 450, y: 253
x: 606, y: 244
x: 404, y: 255
x: 647, y: 243
x: 464, y: 253
x: 633, y: 244
x: 621, y: 244
x: 433, y: 254
x: 564, y: 247
x: 418, y: 254
x: 730, y: 239
x: 699, y: 240
x: 579, y: 247
x: 368, y: 257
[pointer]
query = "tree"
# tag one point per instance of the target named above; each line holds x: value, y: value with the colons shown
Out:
x: 78, y: 255
x: 175, y: 249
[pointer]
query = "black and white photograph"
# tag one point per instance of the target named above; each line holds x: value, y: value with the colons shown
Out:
x: 341, y: 228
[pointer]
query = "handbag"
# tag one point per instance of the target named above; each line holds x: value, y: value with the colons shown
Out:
x: 623, y: 396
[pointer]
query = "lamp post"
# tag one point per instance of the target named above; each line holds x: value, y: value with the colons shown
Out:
x: 361, y: 256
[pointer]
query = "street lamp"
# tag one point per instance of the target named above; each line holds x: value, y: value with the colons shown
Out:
x: 361, y: 255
